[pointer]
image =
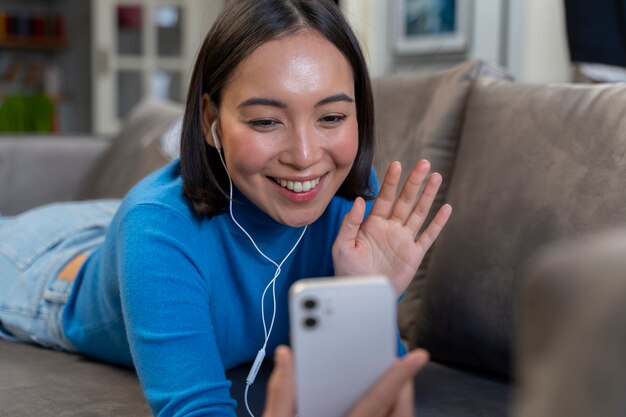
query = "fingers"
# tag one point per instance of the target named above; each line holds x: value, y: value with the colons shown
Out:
x: 421, y: 209
x: 387, y: 195
x: 281, y: 394
x: 431, y: 233
x: 406, y: 200
x: 404, y: 208
x: 351, y: 223
x: 385, y: 396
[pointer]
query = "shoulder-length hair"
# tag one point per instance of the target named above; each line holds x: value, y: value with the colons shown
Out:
x: 243, y: 26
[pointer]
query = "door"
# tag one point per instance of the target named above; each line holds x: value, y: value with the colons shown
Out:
x: 143, y: 48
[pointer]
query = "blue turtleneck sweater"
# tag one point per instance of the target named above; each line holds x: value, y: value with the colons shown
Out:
x: 179, y: 297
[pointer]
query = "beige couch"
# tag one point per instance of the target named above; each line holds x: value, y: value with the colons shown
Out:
x: 523, y: 165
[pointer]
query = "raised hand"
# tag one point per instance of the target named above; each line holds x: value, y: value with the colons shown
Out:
x: 387, y: 243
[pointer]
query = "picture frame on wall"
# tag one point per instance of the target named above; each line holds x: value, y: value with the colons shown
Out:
x: 431, y: 27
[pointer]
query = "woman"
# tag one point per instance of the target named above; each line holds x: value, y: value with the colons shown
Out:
x: 276, y: 150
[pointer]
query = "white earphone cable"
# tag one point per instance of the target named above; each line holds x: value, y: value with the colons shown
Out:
x: 261, y: 353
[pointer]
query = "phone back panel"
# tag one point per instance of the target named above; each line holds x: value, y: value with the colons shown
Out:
x: 343, y: 337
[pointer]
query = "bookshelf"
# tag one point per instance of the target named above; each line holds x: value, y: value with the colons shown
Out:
x: 44, y: 45
x: 32, y: 38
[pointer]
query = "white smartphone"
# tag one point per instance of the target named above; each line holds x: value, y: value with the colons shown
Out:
x: 343, y: 335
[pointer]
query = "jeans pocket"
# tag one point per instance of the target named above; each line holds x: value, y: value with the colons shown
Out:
x: 37, y: 317
x: 57, y: 290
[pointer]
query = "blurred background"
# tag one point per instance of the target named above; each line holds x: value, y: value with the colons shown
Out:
x: 78, y: 66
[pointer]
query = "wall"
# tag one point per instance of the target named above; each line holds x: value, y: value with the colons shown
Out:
x: 526, y: 36
x: 75, y: 64
x: 539, y: 53
x: 201, y: 22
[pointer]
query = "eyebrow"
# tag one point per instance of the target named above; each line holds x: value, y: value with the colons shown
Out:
x: 263, y: 101
x: 335, y: 99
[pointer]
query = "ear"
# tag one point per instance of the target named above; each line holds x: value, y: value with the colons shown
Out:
x: 209, y: 115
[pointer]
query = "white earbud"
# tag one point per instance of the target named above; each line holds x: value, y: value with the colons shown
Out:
x: 216, y: 139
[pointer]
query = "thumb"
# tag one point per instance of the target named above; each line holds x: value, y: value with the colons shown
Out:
x: 351, y: 224
x: 404, y: 404
x: 281, y: 394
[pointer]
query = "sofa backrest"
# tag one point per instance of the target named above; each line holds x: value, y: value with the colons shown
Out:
x: 421, y: 116
x: 536, y: 163
x: 134, y: 152
x: 41, y: 169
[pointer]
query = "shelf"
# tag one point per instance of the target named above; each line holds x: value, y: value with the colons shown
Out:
x: 49, y: 45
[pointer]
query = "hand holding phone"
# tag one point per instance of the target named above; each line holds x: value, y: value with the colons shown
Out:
x: 343, y: 337
x: 391, y: 396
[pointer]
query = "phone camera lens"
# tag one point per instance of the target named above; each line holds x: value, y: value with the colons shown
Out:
x: 309, y: 303
x: 310, y: 322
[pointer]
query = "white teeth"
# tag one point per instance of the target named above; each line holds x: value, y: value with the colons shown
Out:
x: 297, y: 186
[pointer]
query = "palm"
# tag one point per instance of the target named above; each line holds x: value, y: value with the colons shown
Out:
x: 386, y: 242
x: 384, y: 248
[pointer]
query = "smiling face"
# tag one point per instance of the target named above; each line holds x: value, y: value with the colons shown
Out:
x: 287, y: 124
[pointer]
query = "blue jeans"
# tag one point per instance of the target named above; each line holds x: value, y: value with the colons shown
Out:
x: 34, y: 248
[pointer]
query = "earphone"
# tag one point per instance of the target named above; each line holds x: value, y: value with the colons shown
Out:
x: 216, y: 139
x: 261, y: 353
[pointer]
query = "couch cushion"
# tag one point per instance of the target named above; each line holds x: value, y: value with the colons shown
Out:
x: 420, y: 116
x: 535, y: 164
x: 38, y: 382
x: 134, y: 152
x: 41, y: 382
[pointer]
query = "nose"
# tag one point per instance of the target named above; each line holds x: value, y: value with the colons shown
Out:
x: 303, y: 148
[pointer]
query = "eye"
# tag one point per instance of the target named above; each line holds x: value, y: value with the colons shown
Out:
x: 332, y: 119
x: 263, y: 124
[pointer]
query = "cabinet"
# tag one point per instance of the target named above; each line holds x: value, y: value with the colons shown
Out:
x: 143, y: 48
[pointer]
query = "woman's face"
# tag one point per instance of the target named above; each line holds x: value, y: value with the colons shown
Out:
x: 287, y: 123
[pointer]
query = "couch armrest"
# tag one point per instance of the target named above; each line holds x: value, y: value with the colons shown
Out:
x: 36, y: 170
x: 572, y: 332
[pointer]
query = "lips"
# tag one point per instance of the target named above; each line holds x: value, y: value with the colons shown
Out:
x: 298, y: 186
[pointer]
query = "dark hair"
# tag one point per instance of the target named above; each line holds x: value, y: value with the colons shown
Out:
x: 243, y: 26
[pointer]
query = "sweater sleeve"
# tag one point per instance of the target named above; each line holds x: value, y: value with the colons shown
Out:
x: 165, y: 302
